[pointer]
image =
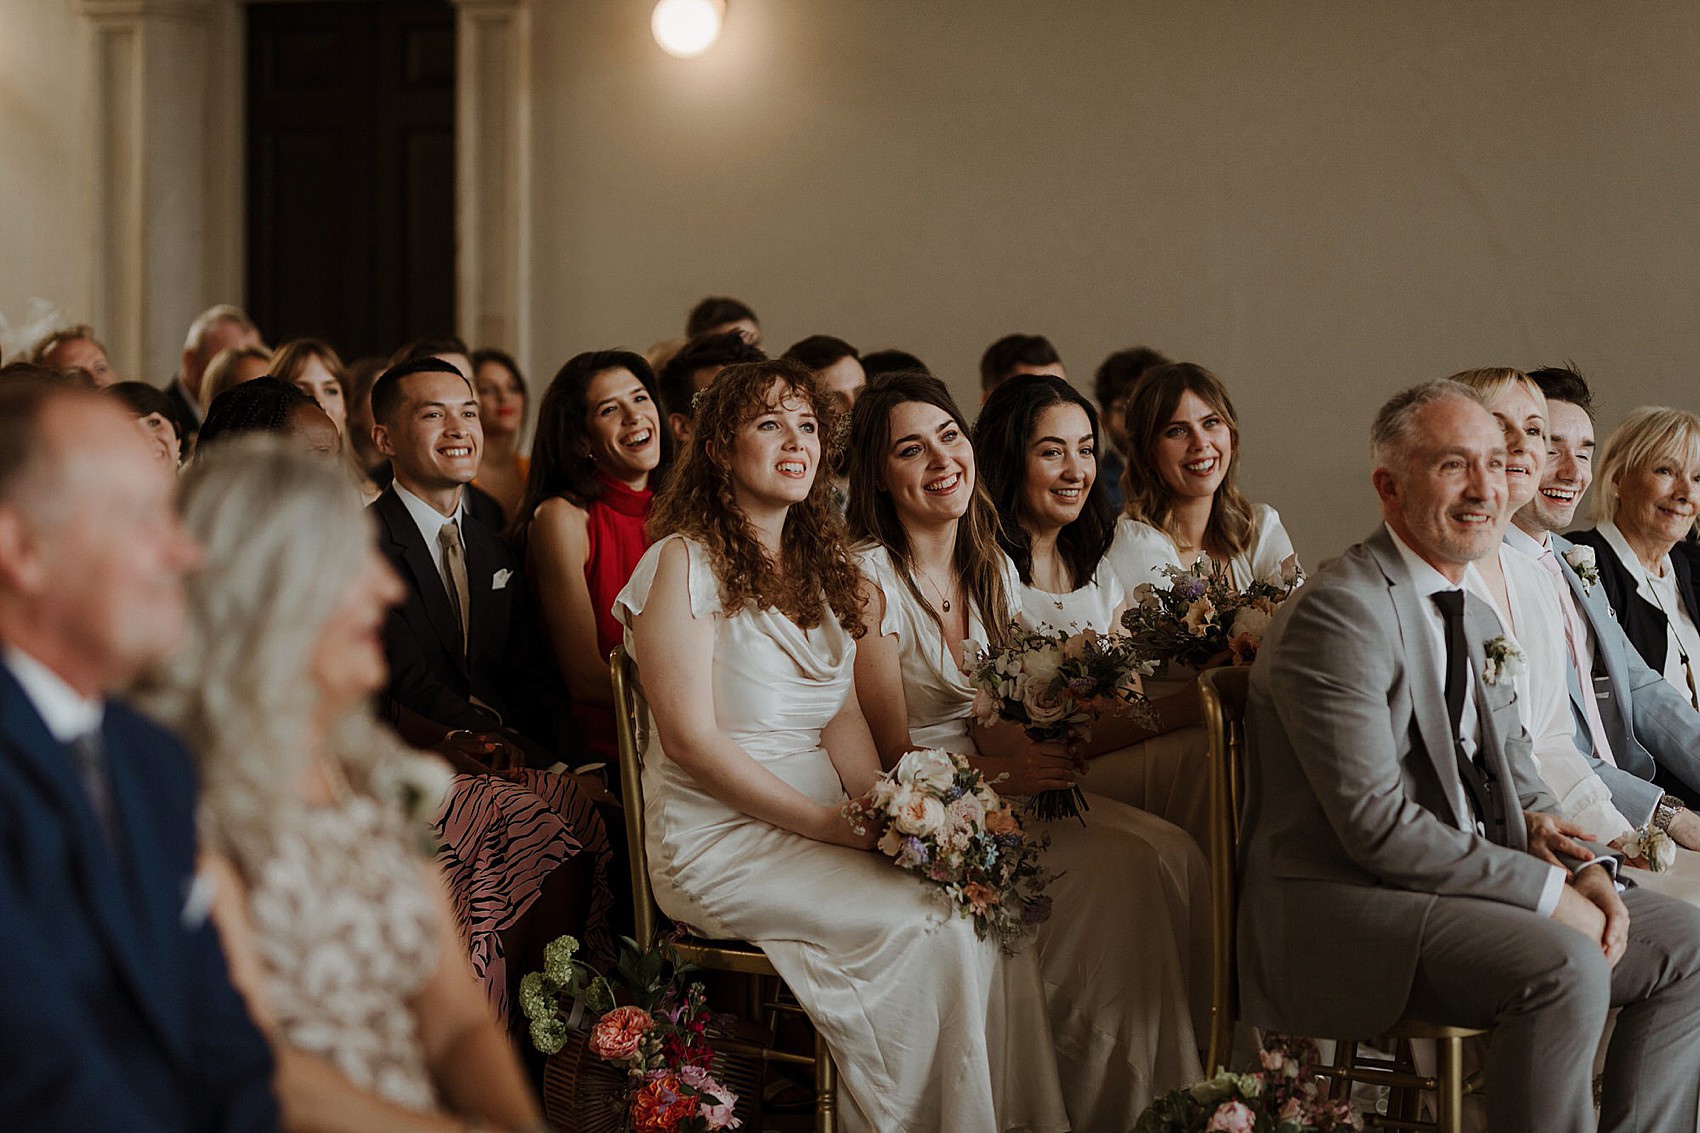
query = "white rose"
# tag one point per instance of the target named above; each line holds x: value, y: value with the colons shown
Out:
x: 967, y: 813
x: 1250, y: 620
x: 928, y: 769
x: 1041, y: 664
x: 918, y: 815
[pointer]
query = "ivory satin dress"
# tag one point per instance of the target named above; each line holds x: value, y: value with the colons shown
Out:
x: 931, y: 1027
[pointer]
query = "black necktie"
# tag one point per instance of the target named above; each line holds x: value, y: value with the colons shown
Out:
x: 1478, y: 783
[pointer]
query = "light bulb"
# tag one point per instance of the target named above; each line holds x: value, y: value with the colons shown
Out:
x: 687, y: 28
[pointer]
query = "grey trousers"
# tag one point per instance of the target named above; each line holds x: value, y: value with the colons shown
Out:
x: 1545, y: 991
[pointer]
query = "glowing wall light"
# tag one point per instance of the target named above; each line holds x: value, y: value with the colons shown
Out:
x: 687, y: 28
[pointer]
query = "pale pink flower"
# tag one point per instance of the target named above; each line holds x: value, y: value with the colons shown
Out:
x: 1045, y: 707
x: 618, y: 1034
x: 1232, y: 1117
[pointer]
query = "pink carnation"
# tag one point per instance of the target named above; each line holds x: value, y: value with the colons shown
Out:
x: 1232, y: 1117
x: 618, y: 1034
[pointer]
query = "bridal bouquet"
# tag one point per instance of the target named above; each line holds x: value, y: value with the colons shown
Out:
x: 944, y: 824
x: 1201, y: 617
x: 1284, y: 1096
x: 1055, y: 685
x: 659, y: 1039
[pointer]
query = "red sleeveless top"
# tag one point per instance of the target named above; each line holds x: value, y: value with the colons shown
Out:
x: 614, y: 521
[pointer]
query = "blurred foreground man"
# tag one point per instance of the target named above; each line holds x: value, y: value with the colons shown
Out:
x: 1401, y: 856
x: 116, y: 1010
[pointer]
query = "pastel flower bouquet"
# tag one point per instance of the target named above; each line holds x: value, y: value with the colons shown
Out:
x: 1055, y: 686
x: 659, y: 1039
x: 1201, y: 618
x: 944, y: 824
x: 1284, y: 1096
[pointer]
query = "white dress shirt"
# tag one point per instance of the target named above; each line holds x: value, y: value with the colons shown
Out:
x: 1428, y: 582
x: 431, y: 522
x: 68, y: 714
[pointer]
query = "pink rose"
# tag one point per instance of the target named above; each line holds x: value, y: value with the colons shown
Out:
x: 618, y: 1034
x: 1232, y: 1117
x: 1045, y: 707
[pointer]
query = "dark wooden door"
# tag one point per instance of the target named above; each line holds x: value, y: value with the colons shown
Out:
x: 350, y: 171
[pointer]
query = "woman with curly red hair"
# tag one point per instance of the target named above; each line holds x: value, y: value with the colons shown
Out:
x: 744, y: 617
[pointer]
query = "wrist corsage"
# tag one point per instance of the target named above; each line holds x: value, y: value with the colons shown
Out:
x: 1656, y: 848
x: 1505, y: 661
x: 1582, y: 561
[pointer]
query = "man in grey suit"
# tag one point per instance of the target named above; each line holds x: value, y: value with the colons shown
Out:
x: 1400, y: 857
x: 1631, y: 724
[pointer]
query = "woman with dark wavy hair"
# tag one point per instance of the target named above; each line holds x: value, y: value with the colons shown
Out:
x: 1131, y: 898
x: 580, y: 526
x: 744, y: 617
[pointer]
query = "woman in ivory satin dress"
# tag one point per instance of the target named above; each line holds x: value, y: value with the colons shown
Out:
x: 1182, y: 503
x: 743, y: 618
x: 1131, y: 899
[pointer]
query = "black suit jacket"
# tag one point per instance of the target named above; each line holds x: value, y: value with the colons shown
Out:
x: 116, y: 1009
x: 1644, y: 624
x: 429, y: 675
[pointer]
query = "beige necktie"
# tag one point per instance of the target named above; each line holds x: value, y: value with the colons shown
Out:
x: 454, y: 565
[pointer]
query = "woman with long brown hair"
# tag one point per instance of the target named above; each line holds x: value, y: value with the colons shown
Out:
x: 1131, y: 897
x: 744, y: 617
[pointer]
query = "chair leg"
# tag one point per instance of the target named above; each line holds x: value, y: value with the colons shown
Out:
x: 826, y: 1088
x: 1449, y: 1086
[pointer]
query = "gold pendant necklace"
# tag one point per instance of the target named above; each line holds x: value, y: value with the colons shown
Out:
x: 944, y: 603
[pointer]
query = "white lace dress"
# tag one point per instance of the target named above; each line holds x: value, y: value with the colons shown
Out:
x: 1126, y: 952
x: 932, y: 1028
x: 345, y: 925
x: 1166, y: 774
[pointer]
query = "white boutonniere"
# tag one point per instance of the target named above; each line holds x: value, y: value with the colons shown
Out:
x: 1655, y: 848
x: 1505, y: 661
x: 1587, y: 568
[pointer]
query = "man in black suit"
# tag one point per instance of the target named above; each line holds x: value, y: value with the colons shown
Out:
x: 116, y: 1008
x: 448, y: 643
x: 223, y: 327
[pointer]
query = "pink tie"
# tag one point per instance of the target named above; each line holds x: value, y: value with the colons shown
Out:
x: 1574, y: 637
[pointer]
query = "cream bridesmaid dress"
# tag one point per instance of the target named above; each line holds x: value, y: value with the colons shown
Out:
x: 1125, y: 955
x: 931, y: 1027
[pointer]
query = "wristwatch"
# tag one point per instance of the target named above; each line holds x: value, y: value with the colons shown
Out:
x: 1669, y: 806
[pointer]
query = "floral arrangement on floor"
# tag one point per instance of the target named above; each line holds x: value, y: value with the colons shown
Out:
x: 659, y: 1037
x: 1201, y: 618
x: 945, y: 824
x: 1056, y: 685
x: 1285, y: 1096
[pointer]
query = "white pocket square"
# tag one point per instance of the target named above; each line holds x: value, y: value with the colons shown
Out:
x: 198, y: 901
x: 500, y: 580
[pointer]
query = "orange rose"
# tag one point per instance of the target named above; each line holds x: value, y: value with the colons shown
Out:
x: 618, y: 1034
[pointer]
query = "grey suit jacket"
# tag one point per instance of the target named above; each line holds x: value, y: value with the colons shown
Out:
x: 1646, y: 719
x: 1351, y: 829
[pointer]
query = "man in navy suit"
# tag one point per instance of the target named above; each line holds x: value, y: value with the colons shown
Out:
x: 116, y: 1009
x: 453, y: 657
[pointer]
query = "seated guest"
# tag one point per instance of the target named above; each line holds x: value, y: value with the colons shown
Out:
x: 719, y: 314
x: 692, y: 368
x: 502, y: 401
x: 835, y: 362
x: 448, y: 641
x: 357, y: 379
x: 744, y: 618
x: 1112, y: 385
x: 581, y: 531
x: 314, y: 368
x: 1126, y: 995
x: 1395, y: 831
x: 339, y: 931
x: 116, y: 1010
x: 1646, y: 496
x: 1017, y: 354
x: 229, y: 368
x: 217, y: 329
x: 1636, y: 730
x: 266, y: 405
x: 155, y: 415
x: 75, y: 350
x: 1183, y: 504
x: 877, y: 362
x: 447, y: 347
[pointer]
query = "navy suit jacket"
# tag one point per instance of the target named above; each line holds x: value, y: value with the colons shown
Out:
x: 116, y: 1009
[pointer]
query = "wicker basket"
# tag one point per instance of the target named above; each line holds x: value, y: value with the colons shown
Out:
x: 584, y: 1094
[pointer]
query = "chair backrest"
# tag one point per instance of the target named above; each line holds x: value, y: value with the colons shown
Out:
x: 1222, y: 694
x: 631, y: 730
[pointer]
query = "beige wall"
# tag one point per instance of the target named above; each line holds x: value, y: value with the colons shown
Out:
x: 46, y: 230
x: 1320, y: 201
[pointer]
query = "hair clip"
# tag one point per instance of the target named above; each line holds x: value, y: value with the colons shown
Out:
x: 697, y: 399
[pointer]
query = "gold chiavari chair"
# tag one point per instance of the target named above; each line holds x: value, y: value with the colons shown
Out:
x: 1222, y: 693
x: 631, y: 724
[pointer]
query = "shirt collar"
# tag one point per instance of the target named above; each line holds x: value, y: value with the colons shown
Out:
x: 68, y: 715
x: 1625, y: 553
x: 1520, y: 540
x: 427, y: 518
x: 1429, y: 581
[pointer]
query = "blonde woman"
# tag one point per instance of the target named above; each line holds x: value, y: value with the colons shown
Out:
x: 338, y: 930
x: 1646, y: 492
x: 231, y: 367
